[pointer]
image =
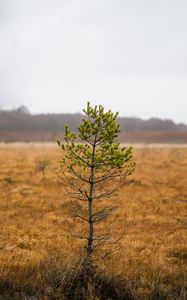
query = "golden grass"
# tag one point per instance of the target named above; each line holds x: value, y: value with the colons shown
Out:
x: 35, y: 245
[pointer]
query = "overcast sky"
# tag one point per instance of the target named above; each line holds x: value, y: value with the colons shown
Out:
x: 128, y: 55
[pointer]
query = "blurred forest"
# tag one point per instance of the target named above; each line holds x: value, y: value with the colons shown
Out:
x: 20, y: 125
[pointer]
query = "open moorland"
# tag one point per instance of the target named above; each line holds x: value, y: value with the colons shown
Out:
x: 39, y: 257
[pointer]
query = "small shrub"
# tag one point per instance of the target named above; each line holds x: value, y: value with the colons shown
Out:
x: 41, y: 166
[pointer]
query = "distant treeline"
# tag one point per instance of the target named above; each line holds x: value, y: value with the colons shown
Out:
x: 22, y: 120
x: 20, y: 125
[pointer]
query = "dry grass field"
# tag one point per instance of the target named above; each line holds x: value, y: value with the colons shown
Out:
x: 37, y: 253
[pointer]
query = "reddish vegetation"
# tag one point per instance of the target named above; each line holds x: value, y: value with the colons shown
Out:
x: 28, y: 136
x: 172, y: 137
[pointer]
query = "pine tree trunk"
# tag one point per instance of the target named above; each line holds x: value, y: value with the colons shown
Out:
x: 90, y: 204
x: 89, y: 263
x: 90, y: 218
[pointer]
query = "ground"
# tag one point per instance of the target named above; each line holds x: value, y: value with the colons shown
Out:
x: 150, y: 215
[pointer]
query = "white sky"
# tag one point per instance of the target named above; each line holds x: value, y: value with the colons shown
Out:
x: 128, y: 55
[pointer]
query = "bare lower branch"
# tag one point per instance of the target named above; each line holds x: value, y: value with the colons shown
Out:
x: 107, y: 177
x: 112, y: 242
x: 76, y: 235
x: 82, y: 218
x: 100, y: 215
x: 78, y: 175
x: 105, y: 194
x: 76, y: 196
x: 70, y: 184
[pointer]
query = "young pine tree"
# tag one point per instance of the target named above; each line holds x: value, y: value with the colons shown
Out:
x: 92, y: 163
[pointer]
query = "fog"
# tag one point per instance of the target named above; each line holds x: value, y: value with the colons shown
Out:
x: 129, y: 56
